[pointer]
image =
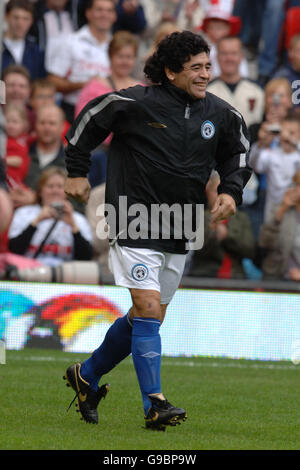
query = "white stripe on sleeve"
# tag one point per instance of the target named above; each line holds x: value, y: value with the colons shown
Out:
x: 92, y: 111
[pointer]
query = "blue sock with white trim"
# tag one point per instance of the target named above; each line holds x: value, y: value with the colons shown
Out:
x: 114, y: 348
x: 146, y: 355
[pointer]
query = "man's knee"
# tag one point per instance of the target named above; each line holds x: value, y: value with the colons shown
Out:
x: 146, y: 303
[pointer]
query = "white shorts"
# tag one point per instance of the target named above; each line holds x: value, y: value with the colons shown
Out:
x: 143, y: 268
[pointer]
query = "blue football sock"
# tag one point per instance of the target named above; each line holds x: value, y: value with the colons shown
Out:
x: 146, y: 355
x: 114, y: 348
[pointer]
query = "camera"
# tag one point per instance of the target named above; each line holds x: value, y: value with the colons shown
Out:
x: 274, y: 129
x: 276, y: 99
x: 70, y: 272
x: 59, y: 207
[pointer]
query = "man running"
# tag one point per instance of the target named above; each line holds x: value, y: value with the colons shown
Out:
x: 167, y: 139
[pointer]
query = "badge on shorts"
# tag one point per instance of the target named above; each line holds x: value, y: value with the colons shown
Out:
x: 139, y: 272
x: 207, y: 130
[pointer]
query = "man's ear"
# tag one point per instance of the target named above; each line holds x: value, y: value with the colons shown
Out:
x: 169, y: 74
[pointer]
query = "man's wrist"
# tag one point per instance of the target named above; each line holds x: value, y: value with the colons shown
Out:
x: 225, y: 192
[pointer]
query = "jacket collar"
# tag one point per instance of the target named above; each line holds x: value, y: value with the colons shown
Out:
x: 179, y: 94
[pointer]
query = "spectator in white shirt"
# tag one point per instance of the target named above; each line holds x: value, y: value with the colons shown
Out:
x: 279, y: 164
x: 51, y: 231
x: 84, y: 54
x: 243, y: 94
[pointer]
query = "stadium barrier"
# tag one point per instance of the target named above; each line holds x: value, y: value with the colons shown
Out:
x: 205, y: 318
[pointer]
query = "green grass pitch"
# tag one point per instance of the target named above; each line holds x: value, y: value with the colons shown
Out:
x: 231, y: 405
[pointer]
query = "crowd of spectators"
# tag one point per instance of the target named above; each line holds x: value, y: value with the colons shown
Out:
x: 57, y: 55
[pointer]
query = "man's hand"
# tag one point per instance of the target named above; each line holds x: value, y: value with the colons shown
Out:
x: 223, y: 208
x: 78, y: 188
x: 265, y: 137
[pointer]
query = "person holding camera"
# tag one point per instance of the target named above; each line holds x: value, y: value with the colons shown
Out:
x: 278, y: 163
x: 51, y: 231
x: 265, y: 135
x: 278, y: 103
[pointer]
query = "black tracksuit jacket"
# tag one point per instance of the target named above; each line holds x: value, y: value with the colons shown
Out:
x: 163, y: 150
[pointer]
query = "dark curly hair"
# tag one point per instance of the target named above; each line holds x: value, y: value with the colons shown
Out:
x: 173, y: 51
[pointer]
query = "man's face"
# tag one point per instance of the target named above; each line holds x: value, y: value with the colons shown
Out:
x: 101, y: 15
x: 49, y: 126
x: 194, y: 77
x: 17, y: 88
x: 230, y: 56
x: 18, y: 23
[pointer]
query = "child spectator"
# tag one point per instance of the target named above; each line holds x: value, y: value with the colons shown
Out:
x: 219, y: 23
x: 278, y: 104
x: 278, y: 163
x: 17, y: 157
x: 280, y: 237
x: 265, y: 134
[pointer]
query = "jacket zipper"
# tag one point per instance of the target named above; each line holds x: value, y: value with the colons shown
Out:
x: 187, y: 115
x: 187, y: 112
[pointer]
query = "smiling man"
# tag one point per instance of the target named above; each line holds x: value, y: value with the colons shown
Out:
x: 242, y: 93
x: 168, y: 138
